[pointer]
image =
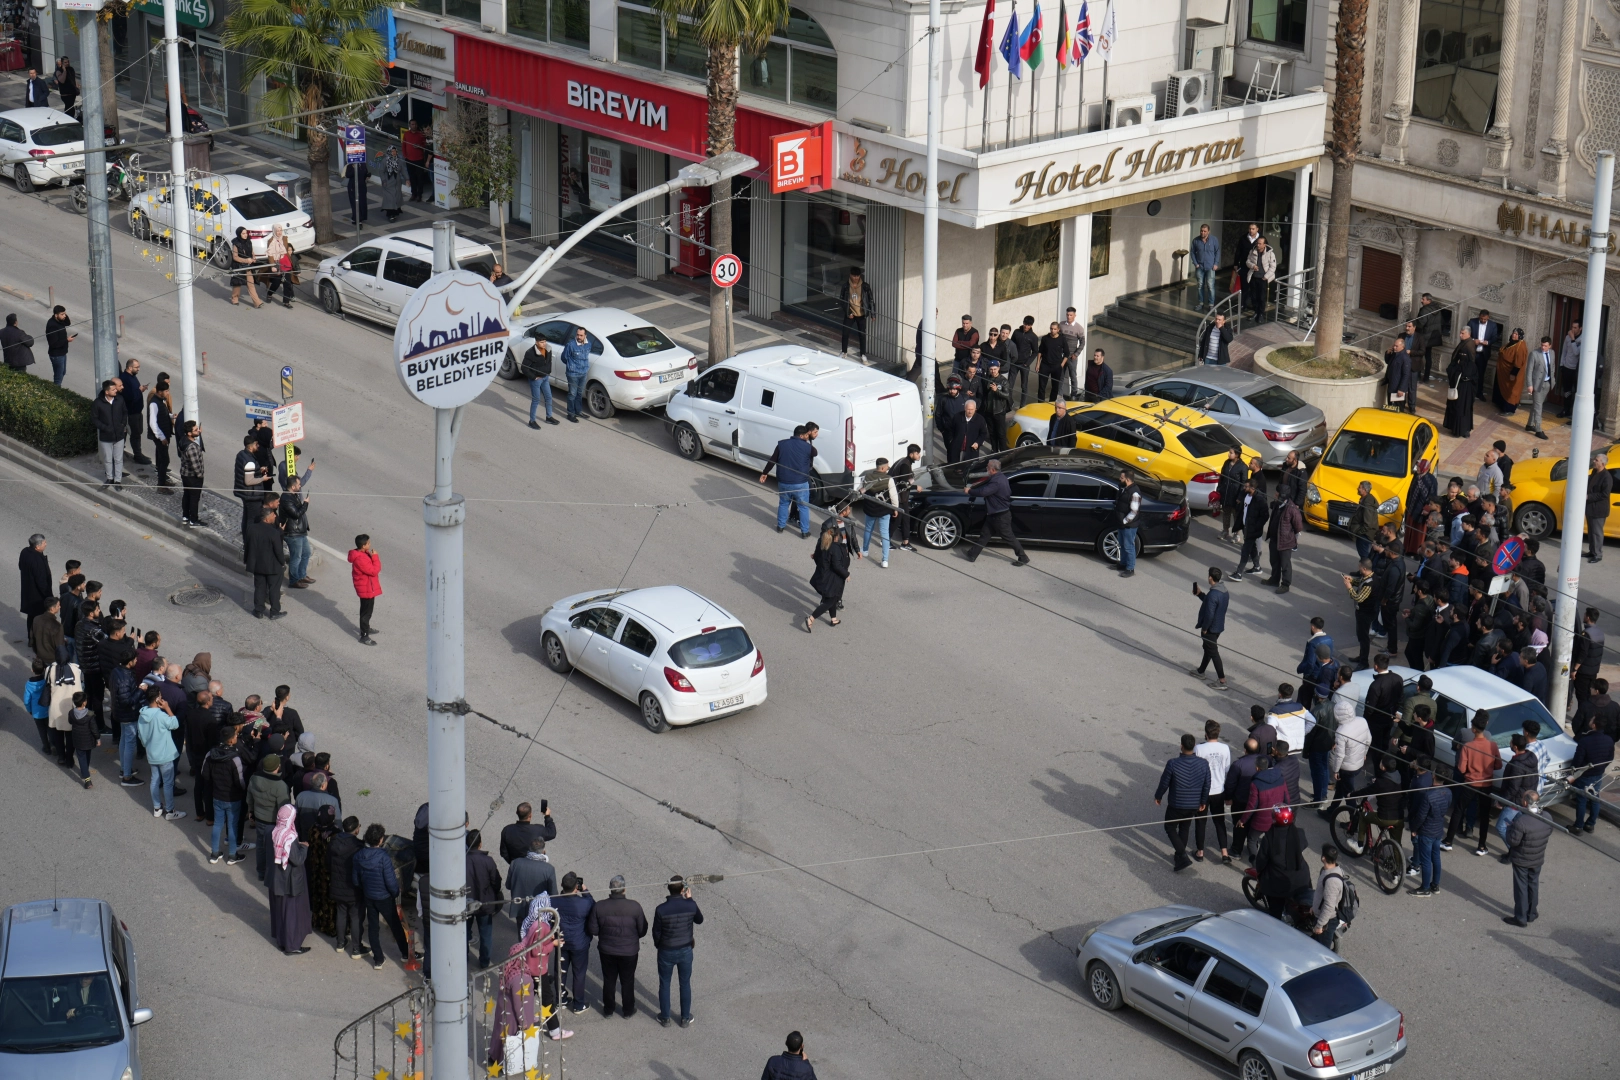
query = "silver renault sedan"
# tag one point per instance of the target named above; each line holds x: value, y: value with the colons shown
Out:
x: 1260, y: 412
x: 1255, y: 991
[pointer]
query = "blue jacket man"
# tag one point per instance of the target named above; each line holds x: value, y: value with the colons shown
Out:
x: 576, y: 358
x: 792, y: 459
x: 1186, y: 779
x: 574, y: 906
x: 673, y: 937
x: 1428, y: 807
x: 1206, y: 256
x: 1211, y: 624
x: 372, y: 872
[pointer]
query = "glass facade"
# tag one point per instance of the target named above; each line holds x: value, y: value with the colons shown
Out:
x: 1026, y: 258
x: 1278, y: 22
x: 797, y: 65
x: 823, y: 238
x: 1102, y: 242
x: 565, y: 22
x: 1459, y: 45
x: 595, y: 173
x: 454, y: 9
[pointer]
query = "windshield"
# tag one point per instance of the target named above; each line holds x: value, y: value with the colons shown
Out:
x: 1174, y: 926
x: 642, y: 341
x: 1207, y: 441
x: 1328, y: 993
x: 714, y: 649
x: 1275, y: 401
x: 57, y: 1013
x: 58, y: 134
x: 1358, y: 451
x: 1506, y: 720
x: 253, y: 205
x: 482, y: 265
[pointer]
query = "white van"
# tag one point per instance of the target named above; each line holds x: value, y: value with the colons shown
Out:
x: 741, y: 408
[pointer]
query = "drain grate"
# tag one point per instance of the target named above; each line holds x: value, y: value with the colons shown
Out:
x: 196, y: 596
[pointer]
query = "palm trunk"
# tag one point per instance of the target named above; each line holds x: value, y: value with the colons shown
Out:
x: 320, y: 167
x: 722, y: 137
x: 1349, y: 70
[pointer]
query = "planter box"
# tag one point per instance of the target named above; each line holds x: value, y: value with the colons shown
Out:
x: 1337, y: 398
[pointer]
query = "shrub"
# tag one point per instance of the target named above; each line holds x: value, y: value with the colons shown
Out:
x: 45, y: 416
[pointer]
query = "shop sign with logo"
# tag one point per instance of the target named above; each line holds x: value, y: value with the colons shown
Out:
x: 422, y: 48
x: 1530, y: 224
x: 803, y: 160
x: 451, y: 338
x: 194, y: 13
x: 602, y: 169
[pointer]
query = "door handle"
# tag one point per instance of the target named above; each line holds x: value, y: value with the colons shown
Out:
x: 731, y: 412
x: 1240, y: 1027
x: 1096, y: 446
x: 1180, y: 996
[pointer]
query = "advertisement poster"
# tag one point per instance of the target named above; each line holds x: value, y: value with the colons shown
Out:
x: 602, y: 165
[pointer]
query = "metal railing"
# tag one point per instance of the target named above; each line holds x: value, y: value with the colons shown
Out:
x: 512, y: 1010
x: 1293, y: 301
x: 387, y: 1042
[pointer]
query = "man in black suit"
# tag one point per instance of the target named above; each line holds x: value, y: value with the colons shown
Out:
x: 36, y: 91
x: 38, y: 588
x: 266, y: 561
x: 1398, y: 374
x: 1487, y: 339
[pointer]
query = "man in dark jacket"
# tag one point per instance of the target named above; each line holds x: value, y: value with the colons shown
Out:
x: 997, y: 496
x: 132, y: 392
x: 1025, y: 343
x: 1213, y: 342
x: 1398, y: 376
x: 263, y: 554
x: 1239, y: 778
x: 1383, y: 703
x: 1211, y: 624
x: 111, y: 421
x: 1594, y: 753
x: 1428, y: 321
x: 618, y: 924
x: 1527, y: 837
x: 1254, y: 515
x: 57, y: 340
x: 340, y: 853
x: 17, y: 345
x: 293, y: 519
x: 1280, y: 861
x: 250, y: 482
x: 1060, y: 429
x: 970, y: 437
x: 1186, y: 780
x: 537, y: 369
x: 855, y: 299
x: 224, y: 773
x: 673, y: 938
x: 517, y: 837
x: 127, y: 701
x: 1099, y: 377
x: 201, y: 736
x: 997, y: 403
x: 484, y: 890
x: 266, y: 794
x: 372, y: 873
x: 37, y: 588
x: 1389, y: 585
x: 1599, y: 486
x: 1289, y: 523
x: 528, y: 877
x: 574, y: 906
x: 793, y: 461
x: 1428, y: 809
x: 793, y: 1065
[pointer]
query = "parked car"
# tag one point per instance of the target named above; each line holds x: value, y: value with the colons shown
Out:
x: 1247, y: 986
x: 1380, y: 446
x: 633, y: 365
x: 374, y: 280
x: 69, y: 1000
x: 1065, y: 499
x: 679, y: 656
x: 221, y: 205
x: 32, y: 140
x: 1260, y: 412
x: 1538, y: 495
x: 1462, y: 690
x: 741, y: 408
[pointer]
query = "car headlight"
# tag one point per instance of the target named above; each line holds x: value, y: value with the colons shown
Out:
x: 1313, y: 494
x: 1083, y: 939
x: 129, y: 1073
x: 1389, y: 505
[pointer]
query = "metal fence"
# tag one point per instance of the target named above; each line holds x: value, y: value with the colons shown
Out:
x: 1293, y: 300
x: 388, y: 1043
x: 513, y: 1008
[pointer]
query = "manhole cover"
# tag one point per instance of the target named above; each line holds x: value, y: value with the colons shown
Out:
x: 196, y: 596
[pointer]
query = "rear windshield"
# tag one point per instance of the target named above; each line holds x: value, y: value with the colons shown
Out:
x: 642, y: 341
x: 57, y: 1013
x: 1275, y: 401
x: 1206, y: 441
x: 482, y: 265
x: 254, y: 205
x: 1328, y: 993
x: 1357, y: 451
x: 57, y: 134
x: 714, y: 649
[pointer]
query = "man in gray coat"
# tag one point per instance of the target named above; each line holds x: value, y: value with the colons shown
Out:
x: 1527, y: 838
x: 1538, y: 380
x: 528, y: 877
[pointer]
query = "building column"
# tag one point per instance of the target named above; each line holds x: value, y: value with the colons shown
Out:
x: 885, y: 270
x: 1400, y: 106
x: 652, y: 243
x: 765, y: 247
x: 544, y: 223
x: 1074, y: 269
x: 1409, y: 232
x: 1499, y: 140
x: 1555, y: 160
x: 1301, y: 223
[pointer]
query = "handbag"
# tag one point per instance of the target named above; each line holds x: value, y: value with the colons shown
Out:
x: 1237, y: 281
x: 1451, y: 391
x: 285, y: 264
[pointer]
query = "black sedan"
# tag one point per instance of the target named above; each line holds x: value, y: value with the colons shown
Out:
x: 1060, y: 498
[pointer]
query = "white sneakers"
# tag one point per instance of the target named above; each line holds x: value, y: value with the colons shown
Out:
x: 884, y: 564
x: 559, y: 1034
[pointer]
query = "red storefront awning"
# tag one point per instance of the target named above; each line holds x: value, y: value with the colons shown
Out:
x: 647, y: 114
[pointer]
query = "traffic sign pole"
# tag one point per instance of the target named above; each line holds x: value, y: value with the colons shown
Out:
x: 726, y: 272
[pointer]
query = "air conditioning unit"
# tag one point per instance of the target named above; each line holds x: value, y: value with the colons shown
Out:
x: 1130, y: 111
x: 1431, y: 40
x: 1189, y: 92
x: 1204, y: 48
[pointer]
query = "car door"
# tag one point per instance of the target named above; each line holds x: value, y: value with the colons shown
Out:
x: 558, y: 332
x: 1162, y: 979
x: 1226, y: 1008
x: 630, y: 658
x: 1170, y: 390
x: 402, y: 275
x: 13, y: 142
x: 1028, y: 502
x: 715, y: 401
x: 1079, y: 506
x: 356, y: 279
x: 1611, y: 525
x: 590, y: 641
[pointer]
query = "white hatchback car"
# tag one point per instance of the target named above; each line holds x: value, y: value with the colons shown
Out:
x: 679, y: 656
x: 221, y: 205
x: 31, y: 140
x: 633, y: 365
x: 375, y: 279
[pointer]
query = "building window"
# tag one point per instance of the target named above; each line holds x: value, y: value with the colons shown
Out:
x: 823, y: 239
x: 454, y: 9
x: 1459, y: 45
x: 1026, y: 258
x: 565, y: 22
x: 1278, y: 22
x: 646, y: 42
x: 798, y: 65
x: 1380, y: 282
x: 1102, y: 239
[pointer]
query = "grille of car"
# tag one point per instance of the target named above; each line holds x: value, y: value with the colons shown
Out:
x: 1342, y: 514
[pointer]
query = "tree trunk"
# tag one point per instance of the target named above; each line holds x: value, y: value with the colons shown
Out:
x: 320, y: 167
x: 1349, y: 71
x: 109, y: 90
x: 722, y: 137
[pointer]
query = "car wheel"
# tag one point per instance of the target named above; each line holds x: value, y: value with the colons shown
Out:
x: 80, y: 197
x: 1104, y: 987
x: 652, y: 713
x: 687, y: 442
x: 510, y: 368
x: 330, y: 301
x: 1108, y: 545
x: 24, y: 181
x: 1252, y: 1066
x: 1027, y: 439
x: 137, y: 225
x: 555, y: 656
x: 597, y: 402
x: 940, y: 529
x: 219, y: 255
x: 818, y: 492
x: 1534, y: 521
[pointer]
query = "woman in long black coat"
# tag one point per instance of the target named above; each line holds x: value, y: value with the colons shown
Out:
x: 1460, y: 374
x: 831, y: 556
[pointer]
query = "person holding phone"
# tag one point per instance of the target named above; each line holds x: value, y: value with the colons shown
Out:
x: 1211, y: 624
x: 367, y: 573
x: 516, y: 837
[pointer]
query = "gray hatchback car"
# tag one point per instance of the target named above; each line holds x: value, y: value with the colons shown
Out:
x: 68, y: 1002
x: 1259, y: 412
x: 1255, y: 991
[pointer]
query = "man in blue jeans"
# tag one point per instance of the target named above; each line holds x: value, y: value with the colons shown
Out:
x: 673, y: 937
x: 1127, y: 505
x: 1594, y: 750
x: 1430, y: 808
x: 792, y: 460
x: 225, y: 774
x: 576, y: 357
x: 537, y: 369
x: 1206, y: 256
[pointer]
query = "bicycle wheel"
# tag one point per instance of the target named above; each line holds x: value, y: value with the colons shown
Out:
x: 1251, y: 893
x: 1345, y: 825
x: 1389, y: 865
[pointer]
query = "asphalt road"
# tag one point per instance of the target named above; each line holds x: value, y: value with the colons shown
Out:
x: 939, y: 798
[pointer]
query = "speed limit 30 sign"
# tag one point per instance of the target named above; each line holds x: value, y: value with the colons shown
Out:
x: 727, y: 271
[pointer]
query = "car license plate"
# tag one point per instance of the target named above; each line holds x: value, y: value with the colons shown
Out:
x: 725, y: 703
x: 1368, y: 1074
x: 1344, y: 520
x: 671, y: 376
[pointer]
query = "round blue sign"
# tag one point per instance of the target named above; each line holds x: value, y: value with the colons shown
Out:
x: 1508, y: 554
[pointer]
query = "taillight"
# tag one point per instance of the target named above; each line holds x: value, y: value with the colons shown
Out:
x: 843, y: 217
x: 1282, y: 436
x: 258, y: 234
x: 1320, y: 1055
x: 692, y: 364
x: 678, y: 681
x: 41, y: 153
x: 1402, y: 1033
x: 1179, y: 512
x: 1207, y: 478
x: 849, y: 444
x: 759, y: 663
x: 636, y: 375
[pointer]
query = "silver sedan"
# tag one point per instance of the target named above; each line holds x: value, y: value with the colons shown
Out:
x: 1255, y: 991
x: 1260, y: 412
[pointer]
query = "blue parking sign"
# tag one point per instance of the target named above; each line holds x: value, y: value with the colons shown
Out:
x: 354, y: 144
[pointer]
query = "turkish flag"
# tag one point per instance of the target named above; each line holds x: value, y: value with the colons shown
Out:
x: 987, y: 45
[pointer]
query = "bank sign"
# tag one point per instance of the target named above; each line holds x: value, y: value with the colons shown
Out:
x: 195, y: 13
x: 450, y: 339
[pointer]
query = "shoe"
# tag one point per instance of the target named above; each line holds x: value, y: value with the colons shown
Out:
x: 559, y: 1034
x: 663, y: 1021
x: 781, y: 529
x: 215, y: 859
x: 1255, y: 569
x: 687, y: 1021
x: 1198, y: 856
x: 577, y: 1009
x: 258, y: 614
x: 1589, y: 828
x: 573, y: 419
x: 249, y: 846
x: 338, y: 947
x: 1511, y: 921
x: 1234, y: 577
x: 298, y: 585
x: 1282, y: 589
x: 276, y: 615
x: 1181, y: 863
x: 179, y: 791
x: 1273, y: 582
x: 1541, y: 434
x: 534, y: 424
x: 1479, y: 851
x: 361, y: 955
x: 175, y: 815
x: 804, y: 536
x: 130, y: 781
x: 1444, y: 846
x: 1195, y: 673
x: 300, y: 951
x: 1016, y: 562
x: 972, y: 558
x: 118, y: 486
x: 607, y: 1010
x: 141, y: 459
x: 367, y: 641
x: 376, y: 965
x: 86, y: 782
x: 553, y: 422
x: 885, y: 564
x: 306, y: 580
x: 1220, y: 684
x: 234, y: 859
x: 1422, y: 893
x: 1412, y: 871
x: 157, y: 811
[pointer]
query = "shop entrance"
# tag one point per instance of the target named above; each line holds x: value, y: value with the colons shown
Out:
x: 823, y: 239
x: 1266, y: 200
x: 1566, y: 312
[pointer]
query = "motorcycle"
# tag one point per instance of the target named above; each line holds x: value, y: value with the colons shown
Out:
x: 1298, y: 915
x: 121, y: 170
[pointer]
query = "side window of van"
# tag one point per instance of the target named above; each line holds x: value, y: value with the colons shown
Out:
x: 718, y: 385
x: 767, y: 399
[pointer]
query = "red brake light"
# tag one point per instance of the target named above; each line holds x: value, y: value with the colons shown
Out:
x: 1402, y: 1033
x: 759, y: 663
x: 41, y: 153
x: 692, y: 364
x: 678, y: 681
x: 1282, y: 436
x: 1321, y: 1055
x: 843, y: 217
x: 1179, y: 512
x: 849, y: 444
x: 708, y: 630
x: 636, y: 375
x: 1207, y: 478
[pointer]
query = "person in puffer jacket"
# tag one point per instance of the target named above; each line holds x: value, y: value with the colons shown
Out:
x: 1427, y: 811
x: 1266, y: 793
x: 372, y: 873
x: 127, y: 700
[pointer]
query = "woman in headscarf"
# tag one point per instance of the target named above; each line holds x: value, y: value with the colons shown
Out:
x: 289, y: 889
x: 278, y: 254
x: 1419, y: 494
x: 1460, y: 380
x: 1511, y: 363
x: 393, y: 180
x: 515, y: 1006
x: 194, y: 679
x: 323, y: 912
x: 242, y: 264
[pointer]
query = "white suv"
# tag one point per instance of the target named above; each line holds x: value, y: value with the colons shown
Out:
x: 375, y: 279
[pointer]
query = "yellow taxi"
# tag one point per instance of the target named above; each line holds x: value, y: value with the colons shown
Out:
x: 1379, y: 446
x: 1538, y: 495
x: 1170, y: 441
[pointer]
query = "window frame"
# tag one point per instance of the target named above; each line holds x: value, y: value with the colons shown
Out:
x: 1301, y: 51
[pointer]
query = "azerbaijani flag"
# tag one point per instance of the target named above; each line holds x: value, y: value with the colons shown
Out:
x: 1010, y: 46
x: 987, y: 38
x: 1082, y: 36
x: 1030, y: 47
x: 1065, y: 41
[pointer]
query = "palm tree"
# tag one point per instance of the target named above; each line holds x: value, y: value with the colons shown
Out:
x: 1349, y: 71
x: 723, y: 26
x: 315, y: 53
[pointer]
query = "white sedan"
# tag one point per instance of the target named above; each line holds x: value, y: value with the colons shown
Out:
x: 32, y: 145
x: 680, y: 657
x: 633, y: 365
x: 221, y: 205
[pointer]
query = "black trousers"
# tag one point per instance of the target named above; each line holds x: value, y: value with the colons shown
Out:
x: 857, y: 324
x: 1566, y: 390
x: 1283, y: 567
x: 367, y: 604
x: 191, y: 497
x: 1391, y: 615
x: 578, y: 960
x: 202, y: 792
x: 137, y: 423
x: 266, y: 592
x: 1177, y: 820
x: 1051, y: 382
x: 95, y: 696
x: 160, y: 453
x: 1526, y: 892
x: 417, y: 174
x: 1254, y: 296
x: 1426, y: 353
x: 1001, y: 525
x: 1217, y: 813
x: 618, y: 971
x: 828, y: 607
x: 1250, y: 555
x: 350, y: 930
x: 1212, y: 655
x: 389, y: 910
x: 1415, y: 654
x: 251, y: 508
x: 1364, y: 618
x: 1019, y: 376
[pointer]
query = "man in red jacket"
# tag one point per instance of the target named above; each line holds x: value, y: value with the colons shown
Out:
x: 367, y: 567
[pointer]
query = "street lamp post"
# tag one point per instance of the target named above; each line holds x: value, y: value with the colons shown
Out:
x: 926, y: 377
x: 103, y: 309
x: 180, y: 195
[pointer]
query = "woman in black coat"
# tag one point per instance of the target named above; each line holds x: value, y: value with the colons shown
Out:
x: 1460, y: 376
x: 831, y: 556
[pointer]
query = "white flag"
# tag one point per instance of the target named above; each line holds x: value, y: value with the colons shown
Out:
x: 1108, y: 33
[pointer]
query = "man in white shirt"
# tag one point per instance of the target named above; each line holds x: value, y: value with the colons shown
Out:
x: 1487, y: 339
x: 1219, y: 758
x: 1538, y: 380
x: 1292, y: 720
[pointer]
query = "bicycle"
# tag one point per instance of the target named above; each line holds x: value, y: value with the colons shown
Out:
x: 1357, y: 831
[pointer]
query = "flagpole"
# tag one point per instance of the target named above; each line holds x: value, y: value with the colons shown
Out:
x: 984, y: 123
x: 1034, y: 99
x: 1012, y: 85
x: 1057, y: 112
x: 1105, y: 93
x: 1080, y: 128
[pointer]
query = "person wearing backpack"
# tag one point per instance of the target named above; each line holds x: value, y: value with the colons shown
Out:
x: 1336, y: 899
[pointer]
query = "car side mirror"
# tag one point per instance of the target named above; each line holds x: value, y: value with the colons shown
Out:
x: 691, y: 389
x: 345, y: 265
x: 139, y: 1017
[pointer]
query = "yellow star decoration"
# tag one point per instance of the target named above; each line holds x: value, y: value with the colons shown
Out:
x: 380, y: 1074
x: 403, y: 1029
x: 489, y: 1007
x: 531, y: 1031
x: 495, y: 1069
x: 546, y: 1011
x: 532, y: 1074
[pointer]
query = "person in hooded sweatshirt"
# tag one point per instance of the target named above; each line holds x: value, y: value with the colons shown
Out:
x: 86, y: 737
x: 1351, y: 740
x: 1266, y: 793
